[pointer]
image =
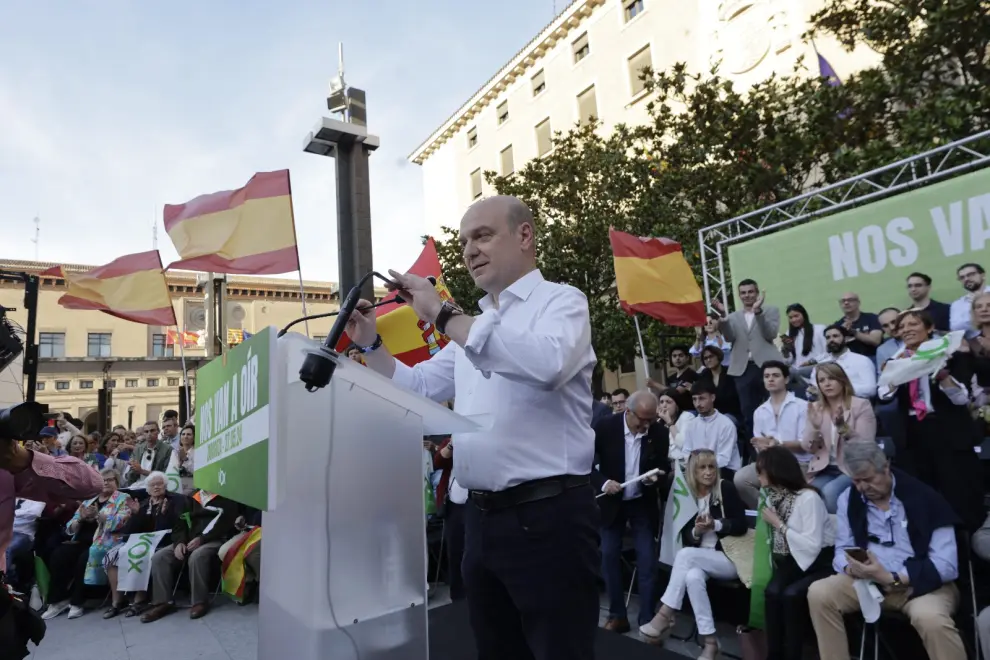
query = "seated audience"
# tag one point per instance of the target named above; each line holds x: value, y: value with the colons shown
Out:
x: 939, y: 430
x: 195, y: 547
x: 720, y: 513
x: 835, y: 419
x: 802, y: 536
x: 20, y: 551
x: 710, y: 335
x: 712, y: 430
x: 725, y: 386
x: 627, y: 446
x: 675, y: 413
x: 779, y: 421
x: 187, y: 455
x: 95, y: 530
x: 803, y: 344
x: 150, y: 455
x: 906, y: 530
x: 157, y: 513
x: 862, y: 371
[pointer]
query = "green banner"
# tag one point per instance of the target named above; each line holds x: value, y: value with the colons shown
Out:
x: 235, y: 422
x: 871, y: 250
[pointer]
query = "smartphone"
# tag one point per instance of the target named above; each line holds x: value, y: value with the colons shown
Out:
x: 858, y: 554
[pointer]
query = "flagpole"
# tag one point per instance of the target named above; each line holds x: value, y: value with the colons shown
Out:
x: 185, y: 374
x: 642, y: 349
x: 295, y: 239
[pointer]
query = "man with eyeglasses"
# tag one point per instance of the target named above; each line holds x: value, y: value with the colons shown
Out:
x: 150, y: 455
x: 903, y: 533
x: 627, y: 446
x: 861, y: 329
x: 974, y: 280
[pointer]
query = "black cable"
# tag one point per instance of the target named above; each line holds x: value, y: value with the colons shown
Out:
x: 397, y: 299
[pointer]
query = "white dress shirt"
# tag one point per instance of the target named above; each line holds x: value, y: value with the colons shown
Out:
x: 961, y: 313
x: 862, y: 372
x: 26, y: 514
x: 717, y: 433
x: 633, y: 443
x: 527, y: 363
x: 787, y: 426
x: 809, y: 528
x: 817, y: 346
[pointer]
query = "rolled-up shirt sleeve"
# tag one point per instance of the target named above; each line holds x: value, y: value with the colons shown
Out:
x: 433, y: 379
x: 545, y: 354
x: 942, y: 552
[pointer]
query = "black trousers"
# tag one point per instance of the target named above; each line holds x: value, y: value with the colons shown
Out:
x: 531, y: 573
x: 453, y: 540
x: 786, y: 604
x: 68, y: 568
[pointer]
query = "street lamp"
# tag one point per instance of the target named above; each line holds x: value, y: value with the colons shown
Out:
x: 347, y: 140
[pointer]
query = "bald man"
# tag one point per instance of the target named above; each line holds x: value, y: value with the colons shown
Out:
x: 531, y: 548
x: 628, y: 445
x: 862, y: 330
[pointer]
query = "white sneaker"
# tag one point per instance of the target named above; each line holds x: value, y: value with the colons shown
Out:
x: 75, y: 612
x: 55, y: 609
x: 36, y: 601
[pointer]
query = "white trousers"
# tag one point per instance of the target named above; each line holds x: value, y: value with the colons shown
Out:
x: 691, y: 570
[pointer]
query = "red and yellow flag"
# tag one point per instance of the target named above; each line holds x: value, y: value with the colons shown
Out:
x: 131, y: 287
x: 188, y: 338
x: 233, y: 574
x: 654, y: 279
x: 248, y: 231
x: 404, y: 335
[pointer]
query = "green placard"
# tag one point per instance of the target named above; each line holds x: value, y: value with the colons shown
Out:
x: 235, y: 422
x: 872, y: 249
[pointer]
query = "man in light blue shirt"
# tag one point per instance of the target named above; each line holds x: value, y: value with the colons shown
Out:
x: 890, y: 346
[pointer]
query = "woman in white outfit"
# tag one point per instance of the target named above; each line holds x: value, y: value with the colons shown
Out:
x: 721, y: 513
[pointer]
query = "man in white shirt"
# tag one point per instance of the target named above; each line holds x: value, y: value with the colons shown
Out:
x: 779, y: 420
x: 861, y: 370
x: 712, y: 430
x: 19, y: 552
x: 531, y: 523
x: 974, y: 280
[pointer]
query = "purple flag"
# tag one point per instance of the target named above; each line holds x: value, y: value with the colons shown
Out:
x: 826, y: 71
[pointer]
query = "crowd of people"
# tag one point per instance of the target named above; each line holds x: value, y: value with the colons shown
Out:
x: 66, y: 554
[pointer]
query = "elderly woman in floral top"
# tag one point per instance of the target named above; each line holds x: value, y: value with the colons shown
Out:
x: 95, y: 530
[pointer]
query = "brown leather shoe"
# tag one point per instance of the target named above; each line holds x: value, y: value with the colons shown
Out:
x: 199, y: 610
x: 617, y: 625
x: 156, y: 612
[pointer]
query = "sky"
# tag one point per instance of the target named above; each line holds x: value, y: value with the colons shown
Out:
x: 109, y: 110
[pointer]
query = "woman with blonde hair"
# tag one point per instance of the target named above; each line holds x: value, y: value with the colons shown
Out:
x: 835, y: 418
x: 721, y: 514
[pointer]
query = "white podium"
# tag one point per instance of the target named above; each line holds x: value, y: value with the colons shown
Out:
x: 344, y: 555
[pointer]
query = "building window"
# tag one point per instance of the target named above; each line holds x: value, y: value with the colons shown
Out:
x: 160, y: 348
x: 173, y: 382
x: 61, y: 385
x: 539, y: 83
x: 632, y: 8
x: 508, y: 166
x: 502, y: 112
x: 638, y: 62
x: 476, y: 184
x: 152, y: 382
x: 320, y: 338
x: 85, y: 384
x: 111, y: 384
x: 130, y: 382
x: 40, y: 386
x: 587, y: 106
x: 98, y: 345
x: 581, y: 48
x: 472, y: 138
x: 51, y: 345
x: 628, y: 366
x: 543, y: 138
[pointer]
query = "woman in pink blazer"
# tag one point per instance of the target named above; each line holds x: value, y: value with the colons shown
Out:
x: 837, y: 417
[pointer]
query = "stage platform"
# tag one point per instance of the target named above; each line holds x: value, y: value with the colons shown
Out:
x: 451, y: 639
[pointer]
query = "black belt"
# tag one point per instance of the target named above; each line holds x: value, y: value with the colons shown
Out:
x: 529, y: 491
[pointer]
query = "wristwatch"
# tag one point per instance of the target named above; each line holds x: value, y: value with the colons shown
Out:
x: 447, y: 311
x: 895, y: 581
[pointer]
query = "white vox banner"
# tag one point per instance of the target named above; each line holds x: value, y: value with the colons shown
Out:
x: 134, y: 561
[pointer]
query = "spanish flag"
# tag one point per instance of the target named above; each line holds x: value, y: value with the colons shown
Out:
x: 654, y: 279
x: 131, y: 287
x: 232, y: 566
x: 248, y: 231
x: 404, y: 335
x: 188, y: 338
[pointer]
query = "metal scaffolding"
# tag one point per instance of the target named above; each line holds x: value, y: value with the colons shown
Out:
x: 943, y: 162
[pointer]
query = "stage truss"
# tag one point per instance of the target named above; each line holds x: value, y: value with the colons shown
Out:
x: 943, y: 162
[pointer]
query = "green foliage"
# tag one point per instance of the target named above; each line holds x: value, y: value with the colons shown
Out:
x: 711, y: 152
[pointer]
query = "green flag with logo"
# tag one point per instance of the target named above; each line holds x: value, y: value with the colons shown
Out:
x: 762, y: 568
x: 235, y: 422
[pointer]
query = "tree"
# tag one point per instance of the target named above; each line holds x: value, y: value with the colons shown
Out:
x: 711, y: 152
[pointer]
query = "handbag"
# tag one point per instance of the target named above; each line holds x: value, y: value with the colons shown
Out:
x: 752, y: 643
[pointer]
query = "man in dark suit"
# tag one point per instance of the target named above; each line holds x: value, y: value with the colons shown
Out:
x: 626, y: 446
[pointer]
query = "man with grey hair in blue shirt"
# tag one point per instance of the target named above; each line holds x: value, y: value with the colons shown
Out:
x: 898, y: 533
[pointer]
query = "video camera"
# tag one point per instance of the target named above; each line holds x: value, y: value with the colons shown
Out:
x: 23, y: 421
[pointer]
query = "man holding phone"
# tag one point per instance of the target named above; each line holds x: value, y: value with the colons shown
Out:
x: 898, y: 533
